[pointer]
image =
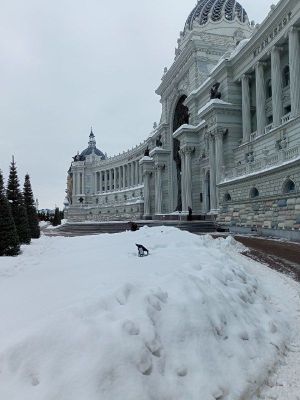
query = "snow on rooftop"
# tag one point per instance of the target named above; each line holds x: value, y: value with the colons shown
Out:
x: 239, y: 47
x: 85, y: 318
x: 213, y: 101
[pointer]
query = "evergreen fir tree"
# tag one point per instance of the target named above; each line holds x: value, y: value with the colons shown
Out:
x: 9, y: 241
x: 56, y: 219
x: 18, y: 209
x: 31, y: 210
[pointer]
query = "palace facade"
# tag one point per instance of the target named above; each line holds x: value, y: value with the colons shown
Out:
x: 228, y: 140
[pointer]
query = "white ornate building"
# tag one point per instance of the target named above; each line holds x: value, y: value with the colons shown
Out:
x: 228, y: 140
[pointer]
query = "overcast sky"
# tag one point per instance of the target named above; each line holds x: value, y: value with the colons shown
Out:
x: 68, y: 64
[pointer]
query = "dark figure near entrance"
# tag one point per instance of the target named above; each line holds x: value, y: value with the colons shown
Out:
x: 80, y: 200
x: 142, y: 251
x: 133, y: 226
x: 214, y: 91
x: 190, y: 214
x: 147, y: 152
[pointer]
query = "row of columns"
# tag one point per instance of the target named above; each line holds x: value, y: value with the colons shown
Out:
x: 216, y: 173
x: 118, y: 178
x: 276, y: 78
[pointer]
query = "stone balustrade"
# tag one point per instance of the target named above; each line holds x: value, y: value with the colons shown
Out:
x: 272, y: 160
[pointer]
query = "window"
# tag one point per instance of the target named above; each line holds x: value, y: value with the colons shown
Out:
x: 269, y: 88
x: 286, y: 76
x: 288, y: 186
x: 227, y: 197
x: 254, y: 193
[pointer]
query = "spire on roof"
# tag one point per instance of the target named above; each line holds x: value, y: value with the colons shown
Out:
x: 92, y: 133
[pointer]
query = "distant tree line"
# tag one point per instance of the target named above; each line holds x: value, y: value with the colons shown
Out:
x: 19, y: 222
x: 53, y: 217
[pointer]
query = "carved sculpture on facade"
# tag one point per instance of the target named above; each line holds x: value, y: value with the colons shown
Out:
x: 158, y: 142
x: 214, y: 91
x: 78, y: 157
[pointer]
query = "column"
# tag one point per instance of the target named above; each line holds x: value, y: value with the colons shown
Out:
x: 132, y: 173
x: 146, y: 193
x: 110, y: 180
x: 127, y: 175
x: 124, y: 176
x: 101, y: 181
x: 260, y: 98
x: 136, y: 173
x: 78, y: 183
x: 105, y: 181
x: 246, y: 108
x: 158, y: 188
x: 83, y: 183
x: 95, y: 182
x: 183, y: 181
x: 212, y: 165
x: 219, y: 155
x: 120, y: 182
x: 115, y: 178
x: 294, y: 60
x: 188, y: 177
x: 276, y: 86
x: 74, y: 183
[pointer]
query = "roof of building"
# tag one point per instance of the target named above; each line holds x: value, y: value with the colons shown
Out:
x: 92, y: 149
x: 215, y: 10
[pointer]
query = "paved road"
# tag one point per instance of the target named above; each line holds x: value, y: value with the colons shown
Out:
x: 279, y: 255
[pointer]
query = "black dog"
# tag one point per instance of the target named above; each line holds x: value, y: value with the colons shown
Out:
x: 142, y: 251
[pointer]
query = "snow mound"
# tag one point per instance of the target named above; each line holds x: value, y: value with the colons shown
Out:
x: 194, y: 320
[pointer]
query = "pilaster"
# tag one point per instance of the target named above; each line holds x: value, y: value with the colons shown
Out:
x: 294, y: 61
x: 246, y: 108
x: 219, y: 151
x: 147, y: 165
x: 260, y: 98
x: 212, y: 165
x: 276, y: 86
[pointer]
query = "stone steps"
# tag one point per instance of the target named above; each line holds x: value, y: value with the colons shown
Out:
x: 77, y: 229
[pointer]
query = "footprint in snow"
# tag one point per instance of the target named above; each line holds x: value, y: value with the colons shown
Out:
x: 123, y: 294
x: 131, y: 328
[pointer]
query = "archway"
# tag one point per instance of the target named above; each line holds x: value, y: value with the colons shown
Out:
x: 181, y: 116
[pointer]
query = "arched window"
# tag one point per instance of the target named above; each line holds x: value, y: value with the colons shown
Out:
x: 227, y: 197
x: 286, y: 76
x: 254, y: 193
x: 288, y: 186
x: 269, y: 88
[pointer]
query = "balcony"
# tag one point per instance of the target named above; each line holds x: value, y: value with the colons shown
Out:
x: 265, y: 163
x: 286, y: 118
x: 268, y: 128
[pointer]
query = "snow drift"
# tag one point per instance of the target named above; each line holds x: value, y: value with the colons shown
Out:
x: 85, y: 318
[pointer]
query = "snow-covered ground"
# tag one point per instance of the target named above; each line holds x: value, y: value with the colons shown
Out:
x: 84, y: 318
